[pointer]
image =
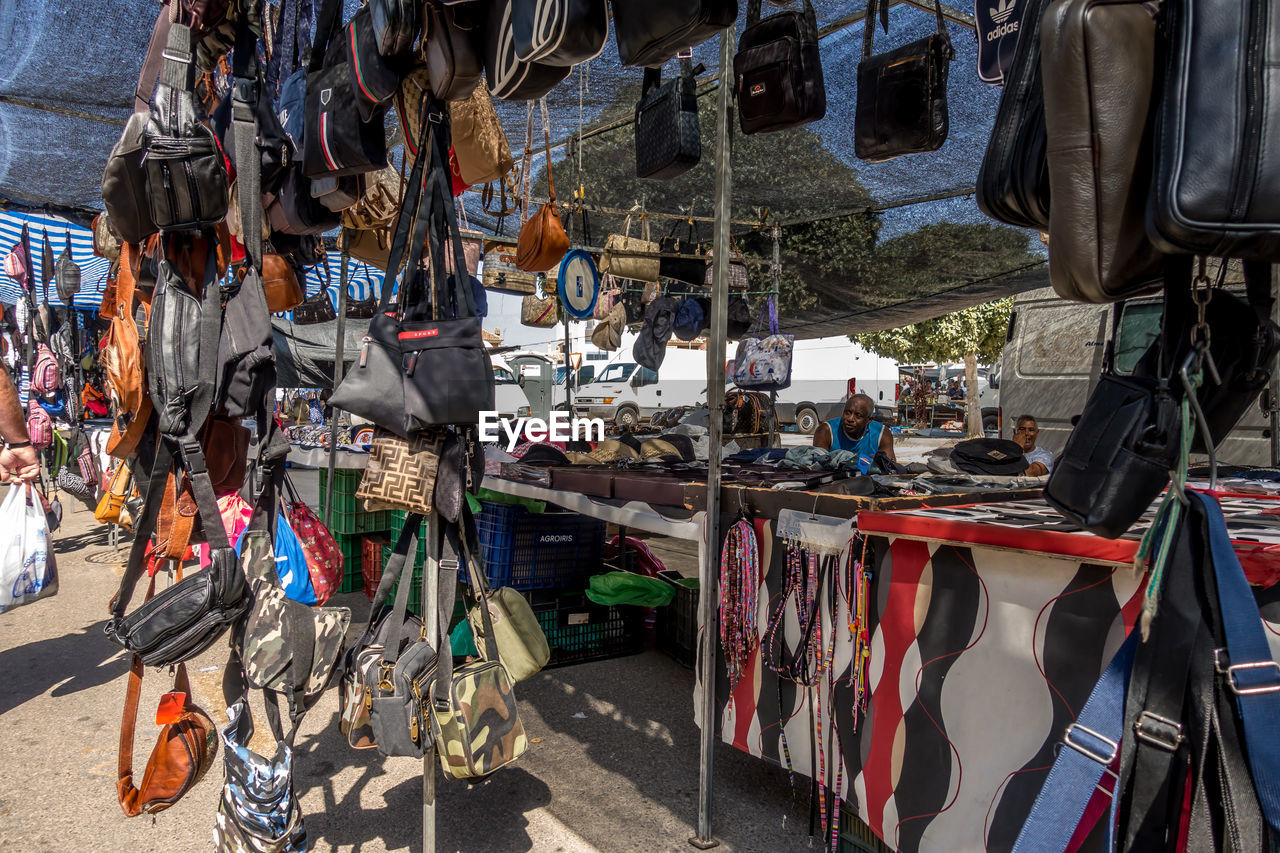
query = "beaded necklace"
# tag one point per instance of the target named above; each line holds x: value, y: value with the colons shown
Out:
x: 739, y: 582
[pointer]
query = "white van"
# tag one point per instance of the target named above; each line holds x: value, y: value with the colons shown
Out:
x: 509, y: 398
x: 627, y: 394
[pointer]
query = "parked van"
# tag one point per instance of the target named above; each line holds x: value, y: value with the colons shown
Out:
x: 509, y: 399
x: 627, y: 394
x: 1053, y: 356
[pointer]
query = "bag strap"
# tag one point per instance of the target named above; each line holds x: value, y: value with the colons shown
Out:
x: 245, y: 91
x: 526, y: 167
x: 151, y: 63
x: 327, y: 23
x: 1091, y: 745
x: 405, y: 219
x: 179, y: 69
x: 546, y: 138
x: 459, y: 300
x: 1248, y: 670
x: 406, y: 544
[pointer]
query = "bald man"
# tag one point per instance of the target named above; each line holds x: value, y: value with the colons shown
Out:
x: 855, y: 430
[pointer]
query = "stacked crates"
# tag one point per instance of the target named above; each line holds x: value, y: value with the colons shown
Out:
x: 678, y: 623
x: 349, y: 523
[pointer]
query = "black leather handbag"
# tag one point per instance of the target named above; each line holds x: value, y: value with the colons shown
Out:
x: 337, y: 140
x: 1119, y: 455
x: 294, y: 210
x: 559, y: 32
x: 668, y: 138
x: 1013, y: 180
x: 375, y: 78
x: 650, y: 33
x: 315, y: 309
x: 778, y: 70
x: 186, y: 178
x: 1216, y: 185
x: 395, y: 24
x: 902, y: 94
x: 685, y: 270
x: 508, y: 77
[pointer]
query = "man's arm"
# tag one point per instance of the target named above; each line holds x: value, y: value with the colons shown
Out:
x: 22, y: 462
x: 886, y: 443
x: 1036, y: 469
x: 822, y: 436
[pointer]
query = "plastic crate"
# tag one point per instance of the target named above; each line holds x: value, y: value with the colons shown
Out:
x: 348, y: 515
x: 526, y: 550
x: 856, y: 836
x: 678, y: 622
x: 352, y: 562
x: 579, y: 630
x: 371, y: 548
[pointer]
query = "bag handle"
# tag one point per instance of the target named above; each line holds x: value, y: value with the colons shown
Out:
x: 526, y: 166
x: 327, y: 22
x: 546, y: 137
x: 868, y: 30
x: 458, y: 301
x: 405, y: 219
x: 245, y: 91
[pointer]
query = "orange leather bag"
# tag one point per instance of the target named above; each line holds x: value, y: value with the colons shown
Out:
x: 124, y: 365
x: 183, y: 753
x: 280, y: 282
x: 543, y: 241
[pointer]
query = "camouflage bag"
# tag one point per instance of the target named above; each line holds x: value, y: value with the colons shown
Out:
x: 287, y: 647
x: 474, y: 714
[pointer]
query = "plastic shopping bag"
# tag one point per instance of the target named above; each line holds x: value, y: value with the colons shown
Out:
x: 27, y: 568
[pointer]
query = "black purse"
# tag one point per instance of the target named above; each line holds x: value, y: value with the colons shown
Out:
x: 668, y: 139
x: 186, y: 178
x: 337, y: 140
x: 395, y: 24
x: 1013, y: 180
x: 559, y: 32
x: 650, y: 33
x: 685, y: 270
x: 902, y: 94
x: 315, y: 309
x: 778, y: 70
x: 1119, y: 455
x: 374, y: 78
x: 508, y: 77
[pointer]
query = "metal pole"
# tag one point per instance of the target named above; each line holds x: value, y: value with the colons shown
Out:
x: 337, y: 379
x: 708, y: 594
x: 775, y: 280
x: 568, y: 369
x: 1274, y: 390
x: 431, y: 615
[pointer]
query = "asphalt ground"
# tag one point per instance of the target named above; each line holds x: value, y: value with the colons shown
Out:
x: 612, y: 766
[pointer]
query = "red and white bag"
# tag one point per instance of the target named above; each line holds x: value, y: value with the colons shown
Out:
x: 46, y: 376
x: 39, y: 426
x: 324, y: 558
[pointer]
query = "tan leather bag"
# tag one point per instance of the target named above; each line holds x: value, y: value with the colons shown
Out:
x: 183, y: 753
x: 543, y: 241
x: 280, y: 283
x: 122, y: 360
x: 373, y: 247
x: 380, y: 199
x: 479, y: 143
x: 111, y: 505
x: 540, y: 311
x: 106, y: 242
x: 624, y: 255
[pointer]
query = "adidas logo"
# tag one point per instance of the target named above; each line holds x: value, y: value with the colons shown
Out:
x: 1003, y: 10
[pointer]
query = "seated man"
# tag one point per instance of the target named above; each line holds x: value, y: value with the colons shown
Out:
x: 856, y: 431
x: 1040, y: 461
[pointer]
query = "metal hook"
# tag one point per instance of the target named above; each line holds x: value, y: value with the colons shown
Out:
x: 1201, y: 423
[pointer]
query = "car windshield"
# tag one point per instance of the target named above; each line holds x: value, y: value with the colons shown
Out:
x: 502, y: 376
x: 617, y: 373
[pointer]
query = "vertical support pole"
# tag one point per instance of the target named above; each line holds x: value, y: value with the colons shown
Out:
x: 1273, y: 393
x: 568, y: 368
x: 708, y: 594
x: 775, y: 281
x: 431, y: 613
x: 337, y: 379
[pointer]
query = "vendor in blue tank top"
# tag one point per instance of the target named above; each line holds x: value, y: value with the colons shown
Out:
x: 856, y: 431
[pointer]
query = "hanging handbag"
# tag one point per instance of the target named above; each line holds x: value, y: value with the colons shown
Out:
x: 453, y: 66
x: 1216, y: 177
x: 184, y: 750
x: 294, y: 210
x: 325, y: 563
x: 479, y: 143
x: 280, y: 284
x: 688, y: 270
x: 106, y: 241
x: 337, y: 139
x: 739, y: 277
x: 649, y: 34
x: 778, y: 70
x: 559, y: 32
x: 186, y: 176
x: 1098, y: 58
x: 539, y: 310
x: 374, y: 78
x: 902, y: 94
x: 508, y: 77
x: 1013, y: 180
x: 315, y: 309
x: 355, y: 693
x: 1118, y: 457
x: 610, y: 293
x: 618, y: 259
x: 66, y: 275
x: 501, y: 274
x: 259, y: 808
x: 124, y: 184
x: 518, y: 639
x: 667, y: 137
x: 543, y: 241
x: 763, y: 363
x: 474, y: 738
x: 111, y: 504
x: 460, y: 472
x: 395, y: 25
x: 401, y: 473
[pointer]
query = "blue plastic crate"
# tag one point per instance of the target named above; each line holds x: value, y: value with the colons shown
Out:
x: 526, y: 550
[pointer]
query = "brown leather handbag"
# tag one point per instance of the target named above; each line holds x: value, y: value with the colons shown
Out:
x: 124, y: 366
x: 543, y: 241
x: 183, y: 753
x: 280, y: 282
x: 479, y: 143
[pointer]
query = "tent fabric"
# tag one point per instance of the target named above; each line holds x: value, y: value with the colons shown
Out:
x: 305, y: 354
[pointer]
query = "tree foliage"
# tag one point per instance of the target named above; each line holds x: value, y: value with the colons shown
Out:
x: 979, y: 331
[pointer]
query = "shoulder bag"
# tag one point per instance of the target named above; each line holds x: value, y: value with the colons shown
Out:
x: 507, y: 76
x: 1216, y: 185
x: 374, y: 78
x: 395, y: 24
x: 67, y: 275
x: 778, y: 70
x: 1013, y: 180
x: 315, y: 309
x: 1099, y: 59
x: 617, y: 259
x: 902, y: 94
x: 648, y: 34
x: 479, y: 143
x: 106, y: 240
x: 667, y: 136
x: 763, y: 363
x: 453, y: 66
x: 401, y: 473
x: 540, y: 311
x: 686, y: 270
x: 543, y: 241
x: 337, y: 140
x: 258, y: 810
x: 124, y: 183
x: 559, y: 32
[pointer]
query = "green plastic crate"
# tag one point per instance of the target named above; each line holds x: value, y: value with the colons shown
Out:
x: 352, y: 562
x: 348, y: 515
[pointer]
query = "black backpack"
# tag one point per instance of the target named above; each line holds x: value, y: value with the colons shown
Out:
x: 778, y: 71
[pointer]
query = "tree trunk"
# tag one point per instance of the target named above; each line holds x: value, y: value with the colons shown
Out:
x: 973, y: 408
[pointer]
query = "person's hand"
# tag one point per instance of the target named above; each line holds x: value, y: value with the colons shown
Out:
x: 20, y: 463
